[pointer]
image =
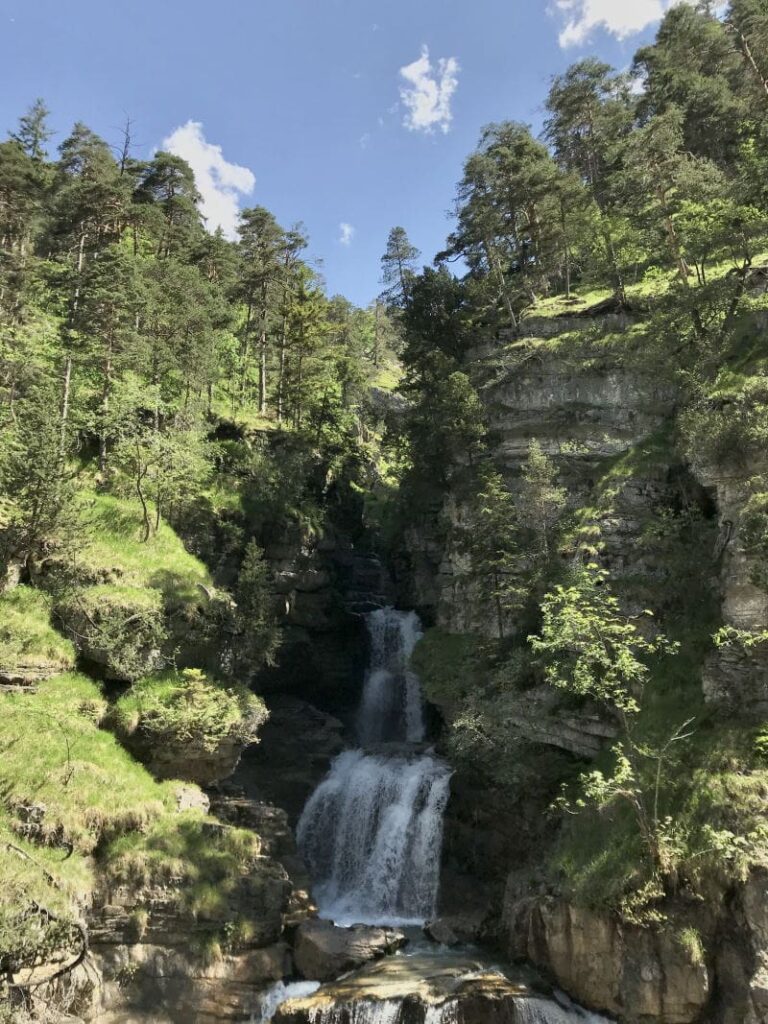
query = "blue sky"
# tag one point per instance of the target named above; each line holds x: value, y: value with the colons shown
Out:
x: 307, y: 101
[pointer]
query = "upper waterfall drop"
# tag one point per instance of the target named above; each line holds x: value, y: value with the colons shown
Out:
x: 391, y: 708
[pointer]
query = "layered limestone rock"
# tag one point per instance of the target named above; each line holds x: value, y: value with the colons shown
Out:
x: 635, y: 973
x: 150, y: 952
x: 422, y: 989
x: 735, y: 677
x: 585, y: 405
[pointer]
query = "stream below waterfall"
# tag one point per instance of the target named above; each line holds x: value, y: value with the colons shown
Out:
x: 371, y: 836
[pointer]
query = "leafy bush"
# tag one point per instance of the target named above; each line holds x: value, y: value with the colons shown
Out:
x: 188, y: 707
x: 119, y: 626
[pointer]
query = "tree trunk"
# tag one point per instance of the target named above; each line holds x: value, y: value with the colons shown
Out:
x: 281, y: 370
x: 263, y: 353
x: 106, y: 392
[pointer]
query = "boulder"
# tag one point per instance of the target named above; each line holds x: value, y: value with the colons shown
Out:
x: 455, y: 929
x: 322, y: 951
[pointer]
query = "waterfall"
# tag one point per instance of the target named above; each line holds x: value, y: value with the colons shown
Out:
x: 372, y: 831
x: 371, y: 835
x: 280, y: 993
x: 385, y: 1011
x: 546, y: 1011
x: 389, y: 1011
x: 391, y: 707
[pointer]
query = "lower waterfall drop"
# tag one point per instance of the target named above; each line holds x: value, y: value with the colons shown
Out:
x: 383, y: 1011
x: 371, y: 836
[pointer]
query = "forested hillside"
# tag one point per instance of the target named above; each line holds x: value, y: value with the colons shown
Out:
x: 550, y: 442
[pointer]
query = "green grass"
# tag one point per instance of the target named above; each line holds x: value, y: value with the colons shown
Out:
x: 559, y: 305
x: 388, y: 376
x: 203, y: 859
x: 26, y: 635
x: 189, y: 707
x: 56, y: 758
x: 95, y: 812
x: 114, y: 546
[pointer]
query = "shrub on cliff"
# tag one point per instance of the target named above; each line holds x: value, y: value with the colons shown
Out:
x: 187, y: 725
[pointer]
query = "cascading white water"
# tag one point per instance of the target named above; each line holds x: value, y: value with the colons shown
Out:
x: 371, y: 833
x: 546, y: 1011
x: 391, y: 707
x: 383, y: 1011
x: 278, y: 994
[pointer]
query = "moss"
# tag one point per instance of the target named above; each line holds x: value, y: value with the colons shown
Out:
x: 162, y: 563
x: 66, y: 781
x: 26, y: 635
x: 449, y: 666
x: 189, y: 707
x: 203, y: 860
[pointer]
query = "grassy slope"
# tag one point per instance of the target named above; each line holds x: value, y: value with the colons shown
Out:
x: 68, y: 784
x: 114, y: 543
x: 26, y: 634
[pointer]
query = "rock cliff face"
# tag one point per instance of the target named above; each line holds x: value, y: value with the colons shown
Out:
x: 323, y: 586
x: 608, y: 427
x: 736, y: 679
x: 584, y: 408
x: 636, y: 973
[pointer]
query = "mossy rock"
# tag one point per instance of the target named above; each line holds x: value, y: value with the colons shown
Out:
x: 118, y: 627
x: 186, y: 725
x: 30, y: 648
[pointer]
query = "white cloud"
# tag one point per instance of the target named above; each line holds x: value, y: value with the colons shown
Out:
x: 427, y: 96
x: 219, y: 182
x: 346, y: 233
x: 622, y: 18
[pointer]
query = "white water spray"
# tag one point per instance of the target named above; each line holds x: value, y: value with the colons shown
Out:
x: 279, y: 993
x: 385, y: 1011
x: 371, y: 836
x: 372, y: 831
x: 391, y: 708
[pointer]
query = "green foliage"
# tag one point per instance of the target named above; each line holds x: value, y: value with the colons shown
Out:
x: 37, y: 506
x: 590, y: 648
x: 116, y: 625
x: 27, y: 638
x: 188, y: 707
x: 491, y: 537
x: 256, y: 618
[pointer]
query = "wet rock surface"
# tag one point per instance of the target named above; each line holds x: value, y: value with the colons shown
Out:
x: 297, y: 744
x: 424, y: 988
x: 323, y: 951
